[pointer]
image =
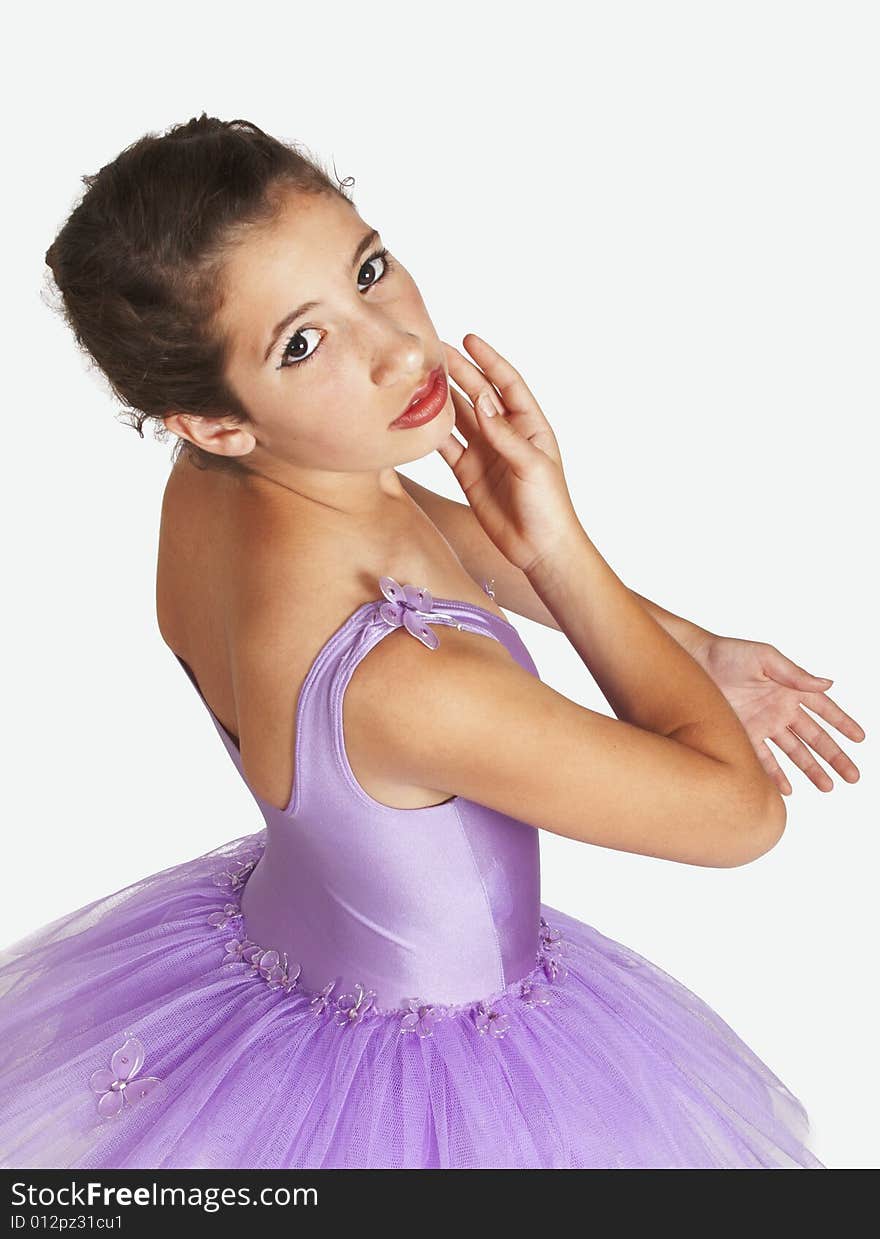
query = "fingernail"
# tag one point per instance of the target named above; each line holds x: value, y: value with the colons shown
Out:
x: 486, y: 404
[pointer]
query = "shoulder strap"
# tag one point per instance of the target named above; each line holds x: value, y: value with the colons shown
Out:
x: 321, y: 767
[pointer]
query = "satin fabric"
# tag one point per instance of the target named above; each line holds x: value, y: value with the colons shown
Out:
x: 441, y: 902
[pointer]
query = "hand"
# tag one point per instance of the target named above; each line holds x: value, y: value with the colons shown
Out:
x: 768, y: 692
x: 510, y: 470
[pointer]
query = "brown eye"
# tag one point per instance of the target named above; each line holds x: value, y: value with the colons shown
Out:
x: 375, y: 258
x: 294, y: 352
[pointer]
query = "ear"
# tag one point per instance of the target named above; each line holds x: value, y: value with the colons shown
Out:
x: 212, y: 434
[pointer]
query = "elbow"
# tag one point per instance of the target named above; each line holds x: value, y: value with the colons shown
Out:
x: 771, y: 824
x: 760, y: 826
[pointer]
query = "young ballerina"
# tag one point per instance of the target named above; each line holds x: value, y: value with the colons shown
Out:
x: 371, y: 978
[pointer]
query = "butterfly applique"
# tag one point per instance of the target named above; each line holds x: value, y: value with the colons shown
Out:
x: 116, y: 1084
x: 405, y: 606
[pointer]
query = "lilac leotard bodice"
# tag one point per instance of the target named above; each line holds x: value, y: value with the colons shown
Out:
x: 441, y: 901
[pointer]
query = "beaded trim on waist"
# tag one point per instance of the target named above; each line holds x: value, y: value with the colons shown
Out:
x: 490, y: 1014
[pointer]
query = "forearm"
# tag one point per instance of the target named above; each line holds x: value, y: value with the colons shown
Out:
x: 646, y: 675
x: 690, y: 636
x: 514, y: 592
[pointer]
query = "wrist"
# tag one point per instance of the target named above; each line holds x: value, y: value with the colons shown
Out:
x: 697, y: 641
x: 553, y: 565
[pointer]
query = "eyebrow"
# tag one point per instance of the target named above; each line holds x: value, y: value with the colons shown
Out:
x: 362, y: 245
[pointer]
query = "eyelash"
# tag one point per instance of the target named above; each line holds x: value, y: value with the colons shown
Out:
x: 389, y: 265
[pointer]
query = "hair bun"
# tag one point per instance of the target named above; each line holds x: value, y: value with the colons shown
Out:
x: 139, y: 262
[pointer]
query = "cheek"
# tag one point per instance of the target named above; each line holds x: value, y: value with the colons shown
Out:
x: 332, y: 428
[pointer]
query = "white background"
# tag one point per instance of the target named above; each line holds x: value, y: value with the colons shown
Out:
x: 666, y: 216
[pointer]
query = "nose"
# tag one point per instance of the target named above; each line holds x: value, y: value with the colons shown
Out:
x: 398, y: 359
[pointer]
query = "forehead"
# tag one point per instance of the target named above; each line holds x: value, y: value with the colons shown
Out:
x: 285, y: 261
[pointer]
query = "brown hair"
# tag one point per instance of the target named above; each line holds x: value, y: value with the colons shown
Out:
x: 138, y: 263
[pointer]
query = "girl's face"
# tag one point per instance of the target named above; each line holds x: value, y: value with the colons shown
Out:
x: 323, y: 381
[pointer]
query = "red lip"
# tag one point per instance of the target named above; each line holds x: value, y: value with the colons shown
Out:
x: 424, y: 389
x: 427, y: 400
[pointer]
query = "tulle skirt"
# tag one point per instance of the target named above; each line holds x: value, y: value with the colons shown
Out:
x: 140, y: 1032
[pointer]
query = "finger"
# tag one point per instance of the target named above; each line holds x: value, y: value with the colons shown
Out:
x: 808, y: 730
x: 789, y: 673
x: 822, y: 705
x: 516, y: 399
x: 452, y: 450
x: 465, y: 417
x: 773, y: 768
x: 527, y: 417
x: 470, y: 378
x: 514, y: 448
x: 508, y: 380
x: 467, y: 426
x: 803, y: 758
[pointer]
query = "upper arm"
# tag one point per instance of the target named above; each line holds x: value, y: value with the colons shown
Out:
x: 468, y: 719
